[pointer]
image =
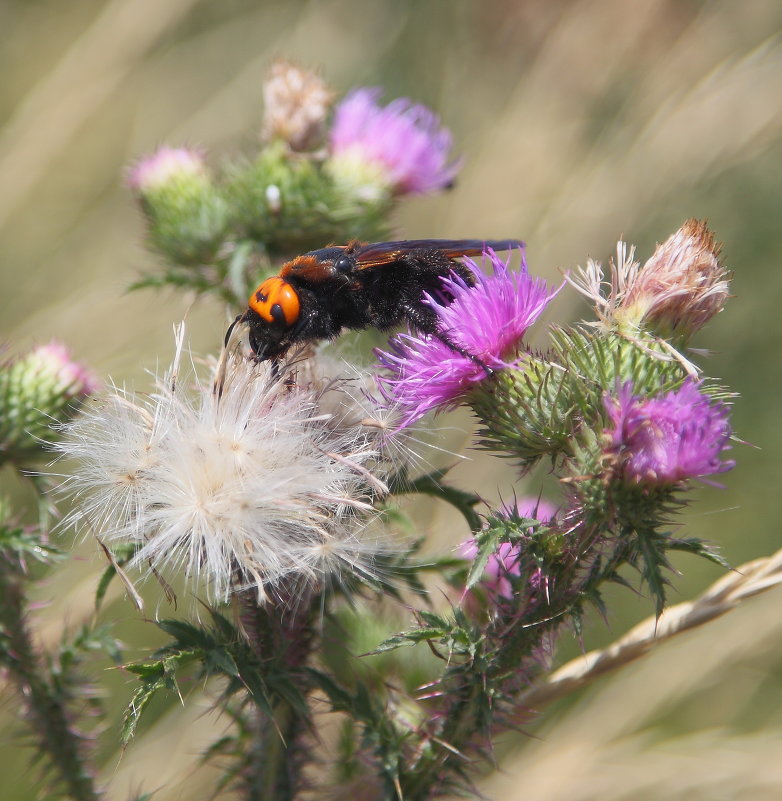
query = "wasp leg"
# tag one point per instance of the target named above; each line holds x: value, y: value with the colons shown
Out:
x: 446, y: 340
x: 426, y: 321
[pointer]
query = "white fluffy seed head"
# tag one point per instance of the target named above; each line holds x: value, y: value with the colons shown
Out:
x: 247, y: 483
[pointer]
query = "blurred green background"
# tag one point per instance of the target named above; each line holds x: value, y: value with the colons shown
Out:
x: 580, y: 122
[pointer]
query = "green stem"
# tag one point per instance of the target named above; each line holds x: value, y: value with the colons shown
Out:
x: 46, y: 711
x: 281, y: 750
x: 275, y: 763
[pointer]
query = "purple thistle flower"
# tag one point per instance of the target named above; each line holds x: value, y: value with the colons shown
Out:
x: 670, y: 438
x: 505, y: 561
x: 488, y: 321
x: 404, y: 140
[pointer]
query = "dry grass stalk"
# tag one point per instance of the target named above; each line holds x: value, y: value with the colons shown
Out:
x: 746, y: 581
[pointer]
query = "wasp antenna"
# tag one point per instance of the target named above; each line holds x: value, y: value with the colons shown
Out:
x: 239, y: 318
x: 219, y: 380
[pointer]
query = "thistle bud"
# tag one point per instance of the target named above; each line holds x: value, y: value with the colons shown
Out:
x: 37, y: 390
x: 296, y: 105
x: 682, y: 286
x: 167, y: 166
x: 186, y: 214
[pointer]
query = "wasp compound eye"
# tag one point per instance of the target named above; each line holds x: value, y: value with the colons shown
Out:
x: 276, y: 301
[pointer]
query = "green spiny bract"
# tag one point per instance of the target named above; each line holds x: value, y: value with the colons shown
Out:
x: 290, y: 204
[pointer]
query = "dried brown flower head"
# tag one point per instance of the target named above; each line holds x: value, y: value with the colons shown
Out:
x: 297, y: 103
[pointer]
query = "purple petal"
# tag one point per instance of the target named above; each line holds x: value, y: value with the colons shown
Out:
x: 487, y: 320
x: 669, y: 438
x: 406, y: 139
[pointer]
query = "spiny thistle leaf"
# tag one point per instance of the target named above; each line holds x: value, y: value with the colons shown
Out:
x: 187, y: 635
x: 652, y: 545
x: 697, y: 547
x: 458, y: 635
x: 412, y: 637
x: 215, y: 657
x: 154, y: 675
x: 487, y: 541
x: 380, y: 732
x: 342, y: 700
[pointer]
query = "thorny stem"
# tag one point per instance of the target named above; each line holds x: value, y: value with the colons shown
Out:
x: 423, y: 780
x: 46, y: 711
x: 276, y: 759
x: 464, y: 724
x: 280, y: 752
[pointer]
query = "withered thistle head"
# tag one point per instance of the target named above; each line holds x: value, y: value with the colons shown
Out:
x: 679, y: 289
x: 296, y: 105
x: 682, y: 286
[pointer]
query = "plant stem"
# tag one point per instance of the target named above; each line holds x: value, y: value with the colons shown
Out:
x: 46, y: 711
x: 275, y: 763
x: 282, y: 638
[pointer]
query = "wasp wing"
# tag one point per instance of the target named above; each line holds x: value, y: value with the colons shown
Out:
x: 379, y: 253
